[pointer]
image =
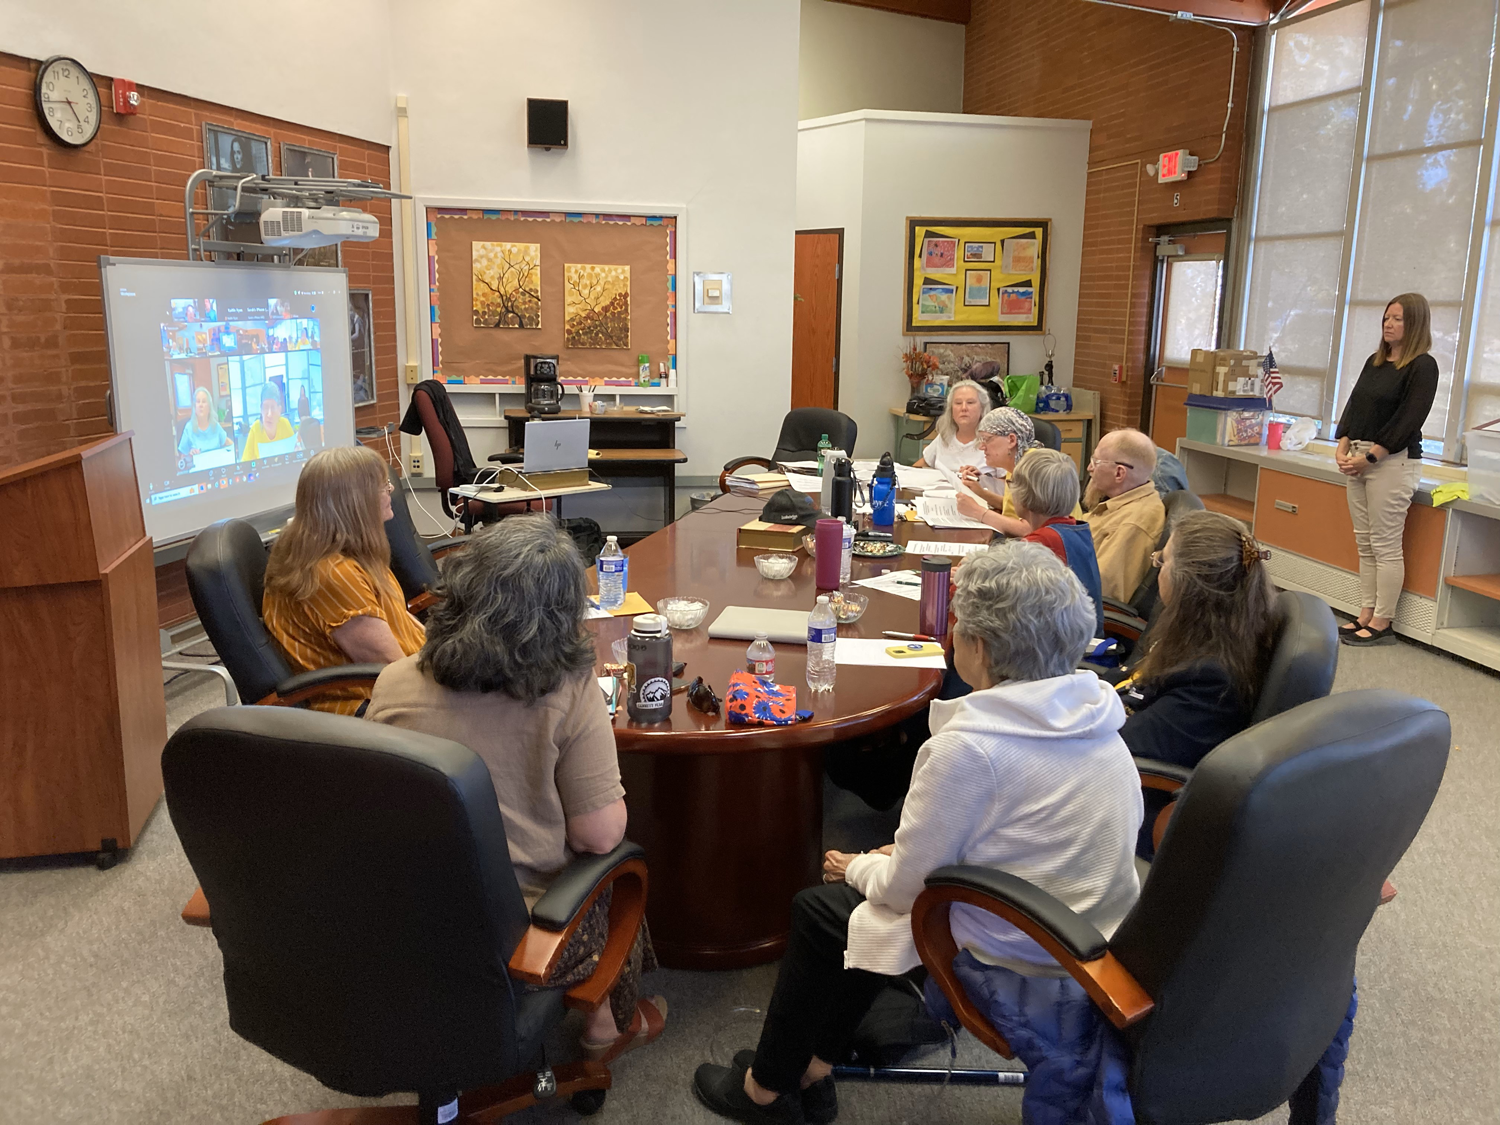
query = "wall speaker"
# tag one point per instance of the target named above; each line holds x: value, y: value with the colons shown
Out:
x: 546, y: 123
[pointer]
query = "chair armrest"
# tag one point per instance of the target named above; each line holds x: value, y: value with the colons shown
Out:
x: 739, y: 463
x: 508, y: 458
x: 1166, y: 776
x: 440, y: 547
x: 195, y: 913
x: 1076, y: 945
x: 310, y: 685
x: 422, y: 602
x: 558, y: 913
x: 1119, y: 607
x: 1122, y: 624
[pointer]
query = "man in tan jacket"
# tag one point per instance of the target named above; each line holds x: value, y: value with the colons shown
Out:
x: 1126, y: 515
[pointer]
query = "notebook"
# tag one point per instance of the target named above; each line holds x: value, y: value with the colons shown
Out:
x: 742, y: 622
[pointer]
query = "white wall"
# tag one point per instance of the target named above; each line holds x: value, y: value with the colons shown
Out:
x: 862, y: 58
x: 280, y: 61
x: 671, y: 102
x: 935, y: 164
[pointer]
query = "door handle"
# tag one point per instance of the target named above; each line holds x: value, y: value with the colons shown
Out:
x: 1286, y: 506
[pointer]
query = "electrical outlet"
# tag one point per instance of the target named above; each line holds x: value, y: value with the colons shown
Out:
x: 1116, y: 373
x: 413, y: 373
x: 416, y: 463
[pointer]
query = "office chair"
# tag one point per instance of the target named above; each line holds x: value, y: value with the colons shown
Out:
x: 1126, y: 621
x: 372, y: 929
x: 1232, y: 973
x: 226, y: 577
x: 453, y: 463
x: 1047, y: 433
x: 801, y: 430
x: 413, y: 559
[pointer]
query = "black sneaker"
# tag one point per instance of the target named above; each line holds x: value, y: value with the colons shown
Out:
x: 722, y: 1089
x: 820, y: 1101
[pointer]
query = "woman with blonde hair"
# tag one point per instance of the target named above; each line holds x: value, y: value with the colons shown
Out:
x: 1380, y: 452
x: 957, y: 429
x: 330, y: 596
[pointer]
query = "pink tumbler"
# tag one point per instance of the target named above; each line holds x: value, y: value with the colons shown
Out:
x: 829, y: 541
x: 932, y: 614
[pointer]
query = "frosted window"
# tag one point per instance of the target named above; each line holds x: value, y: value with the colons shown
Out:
x: 1192, y: 309
x: 1415, y: 226
x: 1432, y: 74
x: 1484, y: 375
x: 1304, y: 176
x: 1484, y: 406
x: 1320, y: 55
x: 1300, y: 394
x: 1362, y: 338
x: 1291, y: 307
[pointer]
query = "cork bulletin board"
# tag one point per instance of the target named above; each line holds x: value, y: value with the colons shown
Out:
x: 505, y: 284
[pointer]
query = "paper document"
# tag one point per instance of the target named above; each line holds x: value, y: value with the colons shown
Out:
x: 918, y: 479
x: 805, y: 482
x: 902, y: 583
x: 871, y: 654
x: 942, y: 511
x: 937, y: 547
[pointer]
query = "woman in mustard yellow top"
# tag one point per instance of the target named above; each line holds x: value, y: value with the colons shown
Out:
x: 271, y: 426
x: 330, y: 595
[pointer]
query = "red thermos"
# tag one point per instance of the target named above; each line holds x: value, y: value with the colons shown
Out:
x: 932, y: 616
x: 830, y: 553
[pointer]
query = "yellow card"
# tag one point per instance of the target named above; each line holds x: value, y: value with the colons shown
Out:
x: 915, y: 648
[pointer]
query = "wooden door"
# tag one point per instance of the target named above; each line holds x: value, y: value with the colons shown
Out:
x: 1189, y: 288
x: 815, y: 318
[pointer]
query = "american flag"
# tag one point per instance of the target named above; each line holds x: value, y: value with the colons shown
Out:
x: 1270, y: 378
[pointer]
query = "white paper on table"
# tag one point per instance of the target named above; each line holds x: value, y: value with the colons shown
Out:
x: 805, y: 482
x: 942, y: 511
x: 937, y: 547
x: 870, y: 653
x: 800, y: 466
x: 592, y: 612
x: 918, y: 479
x: 898, y: 582
x: 959, y: 486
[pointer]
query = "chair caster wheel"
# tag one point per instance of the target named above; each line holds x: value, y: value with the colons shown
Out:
x: 588, y: 1102
x: 108, y: 855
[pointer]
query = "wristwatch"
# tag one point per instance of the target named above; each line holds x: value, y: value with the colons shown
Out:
x: 1370, y: 457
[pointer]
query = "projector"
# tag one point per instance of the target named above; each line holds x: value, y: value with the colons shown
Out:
x: 316, y: 226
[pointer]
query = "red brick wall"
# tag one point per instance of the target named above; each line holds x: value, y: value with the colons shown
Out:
x: 1148, y: 85
x: 122, y: 194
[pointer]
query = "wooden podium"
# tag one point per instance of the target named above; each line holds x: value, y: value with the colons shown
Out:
x: 83, y: 717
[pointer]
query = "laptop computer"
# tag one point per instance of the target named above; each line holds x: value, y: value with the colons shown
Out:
x: 562, y: 443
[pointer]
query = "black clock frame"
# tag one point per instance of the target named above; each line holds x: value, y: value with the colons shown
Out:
x: 41, y: 110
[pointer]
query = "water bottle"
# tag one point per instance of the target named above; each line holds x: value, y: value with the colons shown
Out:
x: 822, y: 635
x: 649, y: 668
x: 824, y: 445
x: 760, y: 657
x: 846, y: 556
x: 614, y: 573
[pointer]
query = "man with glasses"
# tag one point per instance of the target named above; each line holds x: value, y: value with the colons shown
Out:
x: 1126, y: 515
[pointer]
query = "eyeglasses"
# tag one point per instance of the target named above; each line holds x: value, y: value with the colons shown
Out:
x: 1157, y: 560
x: 1093, y: 461
x: 390, y: 486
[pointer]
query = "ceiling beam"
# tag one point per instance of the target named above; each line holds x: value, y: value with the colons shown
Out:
x: 949, y: 11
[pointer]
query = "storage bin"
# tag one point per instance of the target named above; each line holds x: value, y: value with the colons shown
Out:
x: 1225, y: 427
x: 1484, y: 463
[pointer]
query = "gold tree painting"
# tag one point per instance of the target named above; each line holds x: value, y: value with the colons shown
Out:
x: 597, y: 307
x: 507, y: 285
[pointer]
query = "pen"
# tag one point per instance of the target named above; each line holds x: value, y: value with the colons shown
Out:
x: 895, y: 636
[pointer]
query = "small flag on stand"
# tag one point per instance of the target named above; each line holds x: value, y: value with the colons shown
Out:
x: 1270, y: 377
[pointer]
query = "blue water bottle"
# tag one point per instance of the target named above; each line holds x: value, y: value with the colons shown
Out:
x: 883, y: 494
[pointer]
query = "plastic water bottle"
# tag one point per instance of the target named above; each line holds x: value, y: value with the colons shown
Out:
x: 614, y: 574
x: 760, y: 657
x: 824, y: 445
x: 846, y: 556
x: 822, y: 636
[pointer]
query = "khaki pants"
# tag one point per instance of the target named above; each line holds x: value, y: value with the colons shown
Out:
x: 1378, y: 499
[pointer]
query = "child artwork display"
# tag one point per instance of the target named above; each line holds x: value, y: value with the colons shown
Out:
x: 507, y: 284
x: 596, y: 306
x: 1008, y: 292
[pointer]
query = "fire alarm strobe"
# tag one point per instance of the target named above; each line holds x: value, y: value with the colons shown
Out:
x: 1173, y: 167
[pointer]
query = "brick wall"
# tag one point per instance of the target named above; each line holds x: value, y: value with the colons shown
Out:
x: 122, y: 195
x: 1148, y: 85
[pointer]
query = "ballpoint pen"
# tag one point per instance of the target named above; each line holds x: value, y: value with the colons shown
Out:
x: 895, y: 636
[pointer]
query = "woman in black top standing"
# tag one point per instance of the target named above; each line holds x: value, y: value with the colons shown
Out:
x: 1380, y: 451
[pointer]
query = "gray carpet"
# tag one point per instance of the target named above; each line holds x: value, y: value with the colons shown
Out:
x: 112, y: 1011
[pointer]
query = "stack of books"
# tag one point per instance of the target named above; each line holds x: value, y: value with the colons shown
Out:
x: 756, y: 484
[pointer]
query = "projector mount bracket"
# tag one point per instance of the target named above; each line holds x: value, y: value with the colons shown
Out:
x: 237, y: 197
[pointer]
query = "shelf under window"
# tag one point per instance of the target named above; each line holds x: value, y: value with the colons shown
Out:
x: 1233, y: 506
x: 1486, y: 584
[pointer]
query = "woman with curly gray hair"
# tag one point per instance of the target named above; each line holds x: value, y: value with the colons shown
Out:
x: 507, y: 670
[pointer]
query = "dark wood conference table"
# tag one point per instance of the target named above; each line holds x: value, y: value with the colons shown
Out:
x: 732, y: 817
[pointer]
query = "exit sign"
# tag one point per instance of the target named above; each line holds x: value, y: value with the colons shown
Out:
x: 1174, y: 166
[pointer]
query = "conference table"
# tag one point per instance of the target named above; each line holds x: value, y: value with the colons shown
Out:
x: 731, y: 817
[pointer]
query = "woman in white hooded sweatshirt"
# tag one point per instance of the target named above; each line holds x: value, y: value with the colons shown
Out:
x: 1028, y: 773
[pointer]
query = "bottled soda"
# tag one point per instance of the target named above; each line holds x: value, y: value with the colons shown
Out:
x: 822, y: 635
x: 760, y: 657
x: 614, y: 573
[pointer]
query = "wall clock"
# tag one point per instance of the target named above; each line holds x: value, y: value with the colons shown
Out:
x: 67, y: 101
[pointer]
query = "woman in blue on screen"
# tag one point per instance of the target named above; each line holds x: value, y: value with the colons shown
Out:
x: 272, y: 425
x: 203, y: 432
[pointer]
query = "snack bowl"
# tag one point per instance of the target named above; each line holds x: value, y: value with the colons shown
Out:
x: 810, y: 542
x: 619, y: 649
x: 779, y: 565
x: 683, y: 612
x: 848, y: 605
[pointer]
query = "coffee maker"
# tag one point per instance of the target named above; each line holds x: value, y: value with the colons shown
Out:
x: 543, y: 391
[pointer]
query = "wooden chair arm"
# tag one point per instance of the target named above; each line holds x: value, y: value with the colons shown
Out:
x: 310, y: 685
x: 423, y: 601
x: 1108, y: 983
x: 738, y: 464
x: 195, y: 913
x: 536, y: 957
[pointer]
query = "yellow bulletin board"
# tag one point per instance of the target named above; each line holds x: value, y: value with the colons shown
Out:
x: 976, y: 275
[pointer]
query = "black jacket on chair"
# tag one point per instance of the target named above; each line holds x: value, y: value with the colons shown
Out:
x: 464, y: 467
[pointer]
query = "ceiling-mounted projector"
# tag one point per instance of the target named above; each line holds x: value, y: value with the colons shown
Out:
x: 316, y: 226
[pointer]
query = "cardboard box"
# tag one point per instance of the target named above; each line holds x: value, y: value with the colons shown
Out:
x: 1225, y: 373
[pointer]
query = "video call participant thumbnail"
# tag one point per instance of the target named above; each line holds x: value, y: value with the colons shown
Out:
x: 203, y: 433
x: 271, y: 426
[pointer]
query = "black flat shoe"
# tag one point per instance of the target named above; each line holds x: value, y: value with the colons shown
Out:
x: 1350, y: 627
x: 722, y: 1089
x: 820, y: 1101
x: 1386, y: 636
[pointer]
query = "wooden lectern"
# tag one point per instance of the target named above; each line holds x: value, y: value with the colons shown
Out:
x: 83, y: 718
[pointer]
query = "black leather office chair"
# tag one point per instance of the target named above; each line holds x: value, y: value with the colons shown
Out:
x: 226, y: 577
x: 801, y: 430
x: 1126, y: 621
x: 1232, y: 973
x: 413, y: 559
x: 1047, y: 433
x: 372, y: 929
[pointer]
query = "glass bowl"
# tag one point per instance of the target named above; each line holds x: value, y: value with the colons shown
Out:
x: 683, y: 612
x: 810, y: 542
x: 779, y: 565
x: 848, y: 605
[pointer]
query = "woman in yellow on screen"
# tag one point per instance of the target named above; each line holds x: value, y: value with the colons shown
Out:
x: 202, y: 434
x: 271, y: 426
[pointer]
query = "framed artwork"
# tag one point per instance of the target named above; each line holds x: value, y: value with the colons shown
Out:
x: 596, y: 306
x: 234, y: 150
x: 362, y: 345
x: 1008, y: 294
x: 507, y: 284
x: 312, y: 163
x: 969, y: 359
